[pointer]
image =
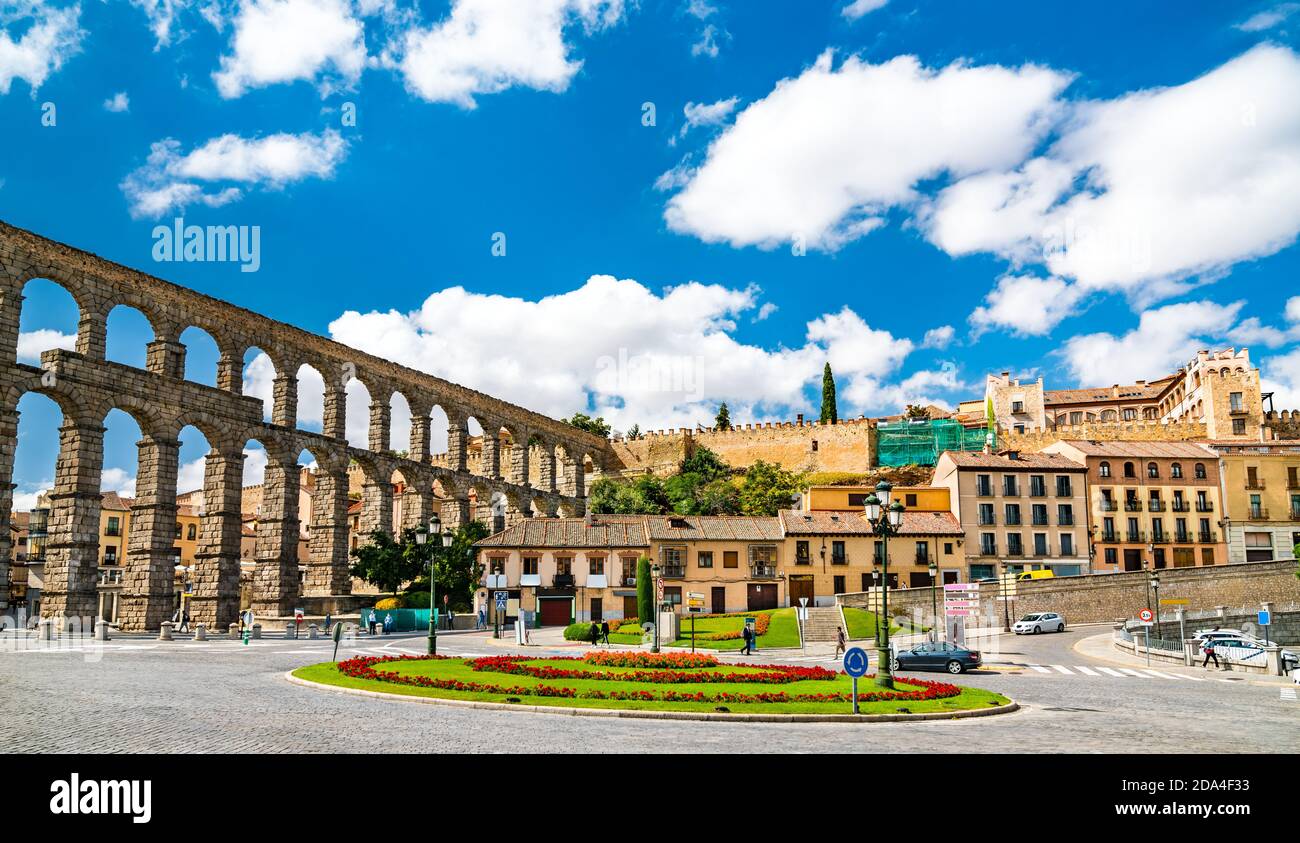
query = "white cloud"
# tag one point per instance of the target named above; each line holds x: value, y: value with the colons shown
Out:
x: 708, y: 42
x: 642, y: 358
x: 118, y: 103
x: 939, y: 337
x: 117, y: 480
x: 767, y: 309
x: 189, y: 476
x: 858, y: 8
x: 50, y: 36
x: 1025, y: 305
x: 26, y: 494
x: 32, y: 343
x: 277, y: 41
x: 171, y: 180
x: 485, y: 47
x: 161, y: 14
x: 768, y: 178
x: 1164, y: 338
x: 1281, y: 376
x: 1253, y: 331
x: 1142, y: 193
x: 1269, y: 18
x: 707, y: 114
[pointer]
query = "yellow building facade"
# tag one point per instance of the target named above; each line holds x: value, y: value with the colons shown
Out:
x: 1260, y: 488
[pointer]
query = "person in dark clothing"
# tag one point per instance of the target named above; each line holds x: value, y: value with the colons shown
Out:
x: 604, y: 632
x: 1208, y: 649
x: 594, y: 633
x: 841, y: 641
x: 748, y: 637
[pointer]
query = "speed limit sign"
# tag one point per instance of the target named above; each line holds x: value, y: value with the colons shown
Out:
x: 1146, y: 616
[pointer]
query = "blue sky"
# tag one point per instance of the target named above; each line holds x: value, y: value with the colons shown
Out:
x: 920, y: 192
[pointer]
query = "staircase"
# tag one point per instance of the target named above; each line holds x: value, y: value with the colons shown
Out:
x: 822, y: 624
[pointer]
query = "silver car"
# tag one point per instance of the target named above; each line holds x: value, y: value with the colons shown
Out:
x: 1037, y: 622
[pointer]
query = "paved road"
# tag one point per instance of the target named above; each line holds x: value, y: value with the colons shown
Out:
x: 139, y: 695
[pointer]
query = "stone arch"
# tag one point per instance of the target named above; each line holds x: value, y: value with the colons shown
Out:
x: 400, y: 421
x: 359, y: 404
x: 202, y: 353
x: 259, y: 372
x: 310, y: 412
x: 124, y: 325
x: 33, y: 334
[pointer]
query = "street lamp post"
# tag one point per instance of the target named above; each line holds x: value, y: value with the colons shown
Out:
x: 421, y: 537
x: 875, y: 581
x: 934, y: 601
x: 1155, y: 585
x: 885, y: 516
x: 654, y: 583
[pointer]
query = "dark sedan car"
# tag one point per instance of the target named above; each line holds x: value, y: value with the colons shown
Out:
x: 937, y: 656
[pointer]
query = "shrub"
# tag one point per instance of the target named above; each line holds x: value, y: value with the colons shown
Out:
x: 415, y: 600
x: 389, y: 603
x: 578, y: 632
x: 645, y: 590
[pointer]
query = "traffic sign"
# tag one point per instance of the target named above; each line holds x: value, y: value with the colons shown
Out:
x: 501, y: 597
x: 855, y: 662
x: 1175, y: 601
x: 1146, y: 616
x: 1265, y: 618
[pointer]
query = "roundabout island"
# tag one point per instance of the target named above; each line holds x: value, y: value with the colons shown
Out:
x: 677, y: 685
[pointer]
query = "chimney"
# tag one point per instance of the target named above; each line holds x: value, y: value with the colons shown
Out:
x: 589, y: 520
x: 799, y: 418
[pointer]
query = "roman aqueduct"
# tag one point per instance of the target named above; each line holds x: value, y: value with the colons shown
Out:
x: 86, y: 387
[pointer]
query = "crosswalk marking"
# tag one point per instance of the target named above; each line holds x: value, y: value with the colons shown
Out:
x: 1289, y: 694
x: 1087, y: 671
x: 1111, y: 672
x: 1039, y: 668
x: 1157, y: 674
x: 1059, y: 669
x: 1131, y: 672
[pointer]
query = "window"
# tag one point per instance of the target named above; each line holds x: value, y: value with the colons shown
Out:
x: 1064, y: 488
x: 909, y: 501
x: 1252, y: 478
x: 705, y: 557
x: 190, y: 533
x: 730, y: 559
x: 1037, y: 486
x: 1256, y: 508
x: 801, y: 556
x: 497, y: 565
x: 1199, y: 471
x: 986, y: 515
x: 1009, y: 487
x: 1153, y: 470
x: 878, y: 555
x: 1013, y: 514
x: 983, y: 485
x: 1076, y: 418
x: 857, y: 499
x: 114, y: 527
x: 1065, y: 514
x: 530, y: 565
x: 1176, y: 470
x: 1104, y: 469
x: 1292, y: 477
x: 596, y: 566
x: 1130, y: 470
x: 1019, y: 428
x: 674, y: 561
x: 564, y: 566
x: 1040, y: 544
x: 837, y: 553
x: 1017, y: 406
x: 947, y: 548
x: 1157, y: 529
x: 839, y: 585
x: 1207, y: 556
x: 673, y: 596
x: 1112, y: 556
x: 1239, y: 427
x: 110, y: 555
x: 629, y: 570
x: 1067, y: 544
x: 1130, y: 414
x: 1108, y: 529
x: 1014, y: 546
x: 988, y: 544
x: 1235, y: 402
x: 1040, y: 515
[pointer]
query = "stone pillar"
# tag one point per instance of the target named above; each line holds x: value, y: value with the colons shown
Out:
x: 519, y: 459
x: 457, y: 438
x: 455, y: 513
x: 92, y: 331
x: 483, y: 513
x: 376, y: 508
x: 579, y: 480
x: 148, y: 583
x: 11, y: 307
x: 275, y: 585
x: 335, y: 421
x: 327, y: 572
x: 514, y: 515
x: 421, y: 428
x: 380, y: 424
x: 417, y: 507
x: 216, y: 564
x: 285, y: 393
x: 490, y: 466
x: 72, y: 551
x: 546, y: 471
x: 8, y: 445
x: 569, y: 483
x: 166, y: 358
x: 230, y: 373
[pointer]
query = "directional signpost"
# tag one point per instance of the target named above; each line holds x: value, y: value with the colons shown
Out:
x: 855, y: 665
x: 961, y: 600
x: 694, y: 605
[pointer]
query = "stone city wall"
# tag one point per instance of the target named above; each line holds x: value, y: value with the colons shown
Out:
x: 848, y: 446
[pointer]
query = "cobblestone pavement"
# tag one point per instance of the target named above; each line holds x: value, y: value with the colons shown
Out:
x: 141, y: 695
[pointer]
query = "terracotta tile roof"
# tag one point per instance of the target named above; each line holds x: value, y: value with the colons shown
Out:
x: 1121, y: 448
x: 1025, y: 461
x: 114, y: 501
x: 713, y: 527
x: 605, y: 531
x: 854, y: 523
x: 1091, y: 395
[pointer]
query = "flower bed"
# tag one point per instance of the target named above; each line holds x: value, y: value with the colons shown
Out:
x: 771, y: 674
x: 618, y: 658
x: 364, y: 667
x: 761, y: 623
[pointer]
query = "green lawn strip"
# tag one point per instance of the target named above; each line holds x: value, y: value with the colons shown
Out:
x: 328, y: 673
x: 862, y: 624
x: 782, y: 631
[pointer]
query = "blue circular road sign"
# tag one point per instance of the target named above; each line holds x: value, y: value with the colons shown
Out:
x: 855, y: 662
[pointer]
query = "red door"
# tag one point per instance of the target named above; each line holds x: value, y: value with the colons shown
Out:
x: 555, y: 612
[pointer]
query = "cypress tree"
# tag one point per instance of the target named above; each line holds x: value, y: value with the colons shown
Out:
x: 645, y: 592
x: 723, y: 421
x: 830, y: 413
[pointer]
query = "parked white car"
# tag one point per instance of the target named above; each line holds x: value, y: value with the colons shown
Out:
x: 1039, y: 622
x: 1220, y: 634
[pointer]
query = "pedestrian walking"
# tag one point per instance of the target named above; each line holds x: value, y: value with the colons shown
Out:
x: 327, y: 623
x: 604, y: 632
x: 748, y: 638
x: 482, y: 618
x: 594, y: 633
x: 1208, y: 649
x: 841, y: 641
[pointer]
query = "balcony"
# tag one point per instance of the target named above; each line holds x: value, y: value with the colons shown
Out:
x: 1040, y: 522
x: 1132, y: 506
x: 673, y: 572
x: 983, y: 491
x: 762, y: 572
x: 1258, y: 513
x: 1037, y: 491
x: 1065, y: 491
x: 1206, y: 538
x: 629, y: 582
x: 563, y: 581
x: 1155, y: 506
x: 532, y: 580
x: 1065, y: 521
x: 1255, y: 485
x: 1180, y: 506
x: 1013, y: 520
x: 1015, y: 551
x: 1108, y: 536
x: 1183, y: 538
x: 1160, y: 538
x: 1295, y: 514
x: 1205, y: 506
x: 841, y: 559
x: 1108, y: 505
x: 803, y: 560
x: 921, y: 559
x: 1132, y: 536
x: 990, y: 521
x: 988, y: 550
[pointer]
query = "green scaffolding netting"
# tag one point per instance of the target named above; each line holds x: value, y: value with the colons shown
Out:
x: 921, y: 442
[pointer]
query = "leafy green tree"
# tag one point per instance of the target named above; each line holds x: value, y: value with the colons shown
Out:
x: 768, y: 488
x: 702, y: 486
x: 634, y: 432
x: 387, y: 562
x: 830, y: 412
x: 602, y: 496
x: 915, y: 411
x: 582, y: 421
x: 643, y: 495
x: 705, y: 463
x: 723, y: 421
x: 645, y: 592
x: 718, y: 497
x: 456, y: 567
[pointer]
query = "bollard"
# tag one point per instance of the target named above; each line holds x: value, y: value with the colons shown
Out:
x: 313, y: 631
x: 165, y: 631
x: 257, y: 630
x: 200, y: 632
x: 101, y: 630
x: 234, y: 630
x: 45, y: 630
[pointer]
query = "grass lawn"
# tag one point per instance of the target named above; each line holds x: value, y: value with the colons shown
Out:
x: 459, y: 669
x: 862, y: 624
x: 783, y: 631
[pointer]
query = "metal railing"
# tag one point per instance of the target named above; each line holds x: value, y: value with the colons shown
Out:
x: 762, y: 572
